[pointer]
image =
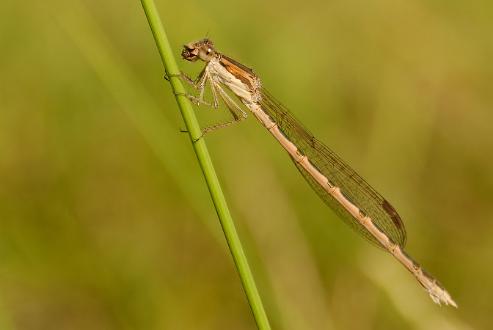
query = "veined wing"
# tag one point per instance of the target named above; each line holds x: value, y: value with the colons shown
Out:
x: 339, y: 174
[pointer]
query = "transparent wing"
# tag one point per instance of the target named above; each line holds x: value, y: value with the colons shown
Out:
x: 352, y: 186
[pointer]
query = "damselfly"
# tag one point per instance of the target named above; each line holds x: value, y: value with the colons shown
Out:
x: 337, y: 184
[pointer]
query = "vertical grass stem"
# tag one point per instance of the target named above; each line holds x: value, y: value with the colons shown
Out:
x: 205, y: 162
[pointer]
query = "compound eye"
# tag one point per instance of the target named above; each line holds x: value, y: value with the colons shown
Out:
x: 209, y: 50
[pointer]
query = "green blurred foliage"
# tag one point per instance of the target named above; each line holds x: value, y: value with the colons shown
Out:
x: 105, y: 222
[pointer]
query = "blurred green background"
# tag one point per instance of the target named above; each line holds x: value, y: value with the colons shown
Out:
x: 105, y: 221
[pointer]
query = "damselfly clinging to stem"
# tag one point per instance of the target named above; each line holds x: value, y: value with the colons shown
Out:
x: 337, y: 184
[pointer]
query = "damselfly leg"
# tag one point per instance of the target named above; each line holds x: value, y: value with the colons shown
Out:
x: 218, y: 93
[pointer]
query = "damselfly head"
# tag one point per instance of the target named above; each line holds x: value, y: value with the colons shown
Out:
x: 202, y: 49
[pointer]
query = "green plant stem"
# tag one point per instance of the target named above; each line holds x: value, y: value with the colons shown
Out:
x: 205, y: 162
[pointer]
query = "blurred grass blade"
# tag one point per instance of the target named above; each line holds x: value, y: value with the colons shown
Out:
x: 206, y: 166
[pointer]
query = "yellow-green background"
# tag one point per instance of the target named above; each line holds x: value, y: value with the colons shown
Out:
x: 105, y: 221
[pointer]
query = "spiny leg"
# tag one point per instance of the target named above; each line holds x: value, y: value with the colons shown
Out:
x: 186, y: 78
x: 198, y: 84
x: 238, y: 113
x: 217, y: 91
